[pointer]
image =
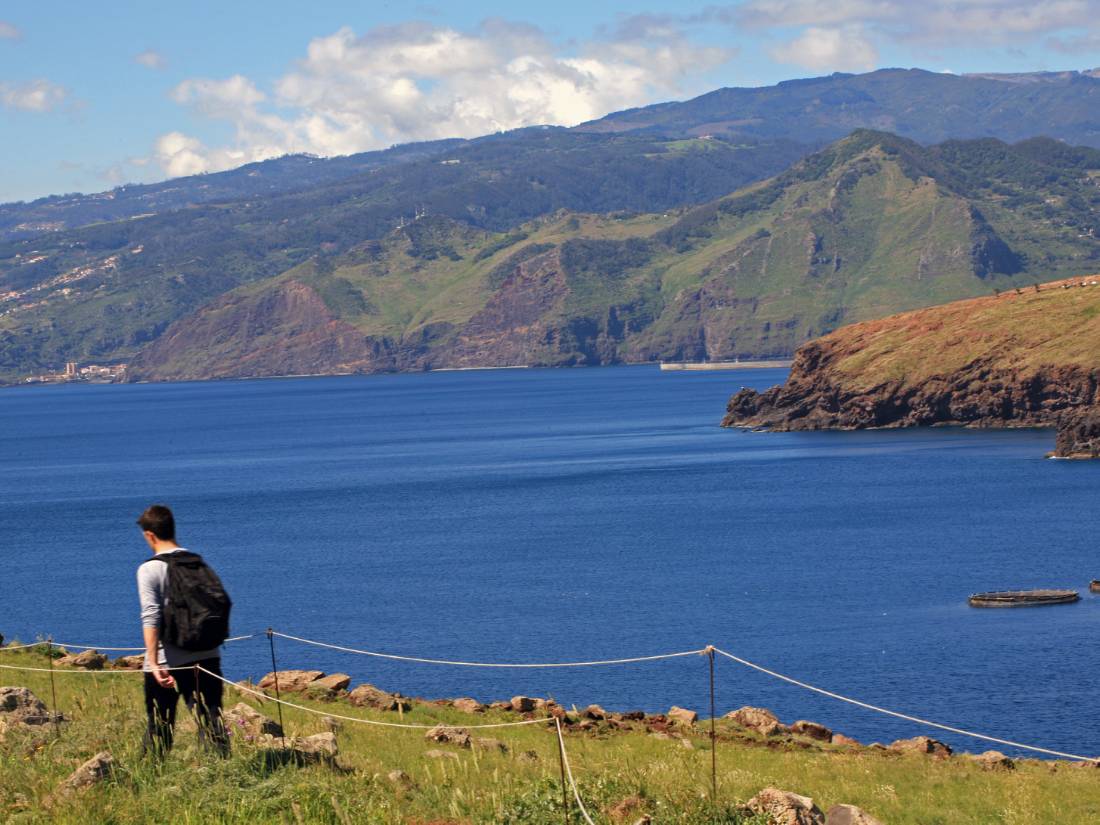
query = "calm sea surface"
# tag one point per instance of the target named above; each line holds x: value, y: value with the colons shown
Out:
x: 542, y: 515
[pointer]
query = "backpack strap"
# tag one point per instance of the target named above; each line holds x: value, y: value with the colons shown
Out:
x: 182, y: 555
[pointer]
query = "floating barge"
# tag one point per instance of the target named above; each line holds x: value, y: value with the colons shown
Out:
x: 1023, y: 598
x: 1094, y: 585
x: 704, y: 366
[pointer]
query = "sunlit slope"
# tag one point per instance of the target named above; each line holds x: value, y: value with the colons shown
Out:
x: 869, y: 227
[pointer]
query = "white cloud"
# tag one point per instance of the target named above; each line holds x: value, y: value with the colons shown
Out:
x: 33, y: 96
x: 218, y: 98
x: 151, y: 59
x: 9, y: 31
x: 932, y: 21
x: 421, y: 81
x: 844, y: 48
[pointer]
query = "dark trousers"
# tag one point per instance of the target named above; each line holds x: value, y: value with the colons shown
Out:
x: 202, y: 694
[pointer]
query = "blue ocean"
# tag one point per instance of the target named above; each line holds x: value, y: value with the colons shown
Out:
x: 552, y: 515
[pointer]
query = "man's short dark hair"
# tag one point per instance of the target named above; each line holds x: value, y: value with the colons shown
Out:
x: 159, y: 521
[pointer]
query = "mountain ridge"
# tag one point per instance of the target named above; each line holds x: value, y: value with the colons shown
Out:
x: 871, y: 225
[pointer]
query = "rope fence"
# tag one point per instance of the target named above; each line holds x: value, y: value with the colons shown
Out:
x: 68, y: 646
x: 897, y: 715
x: 569, y: 772
x: 422, y: 660
x: 566, y: 769
x: 359, y: 719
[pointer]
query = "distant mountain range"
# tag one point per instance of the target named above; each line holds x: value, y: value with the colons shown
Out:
x: 928, y: 107
x: 666, y: 232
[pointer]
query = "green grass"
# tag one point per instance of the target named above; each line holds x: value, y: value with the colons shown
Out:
x: 481, y: 786
x: 1053, y: 327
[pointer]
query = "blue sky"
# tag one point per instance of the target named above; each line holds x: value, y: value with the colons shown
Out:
x: 96, y: 94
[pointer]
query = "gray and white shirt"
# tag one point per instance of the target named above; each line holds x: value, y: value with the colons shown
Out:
x: 152, y: 583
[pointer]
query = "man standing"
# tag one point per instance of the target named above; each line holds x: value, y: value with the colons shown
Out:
x: 167, y: 586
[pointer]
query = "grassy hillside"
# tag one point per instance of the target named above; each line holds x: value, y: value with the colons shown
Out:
x: 1054, y: 325
x: 872, y: 225
x: 1027, y: 357
x: 669, y: 778
x: 100, y: 292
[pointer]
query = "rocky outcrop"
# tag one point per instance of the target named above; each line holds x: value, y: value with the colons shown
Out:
x: 1018, y: 360
x: 1079, y: 434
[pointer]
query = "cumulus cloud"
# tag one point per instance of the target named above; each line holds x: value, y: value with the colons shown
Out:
x: 9, y: 31
x: 843, y: 48
x: 421, y: 81
x: 33, y: 96
x: 151, y: 59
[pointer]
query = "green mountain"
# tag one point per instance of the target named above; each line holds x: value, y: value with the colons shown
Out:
x: 100, y: 292
x: 872, y: 225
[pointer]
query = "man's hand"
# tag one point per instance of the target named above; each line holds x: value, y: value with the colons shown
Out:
x: 152, y: 643
x: 163, y: 677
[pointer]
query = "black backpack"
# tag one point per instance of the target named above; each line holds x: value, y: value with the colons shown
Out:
x: 196, y: 606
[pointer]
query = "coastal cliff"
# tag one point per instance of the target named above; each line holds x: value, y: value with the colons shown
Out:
x: 1024, y: 358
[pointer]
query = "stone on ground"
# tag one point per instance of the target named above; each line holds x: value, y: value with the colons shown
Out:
x: 95, y: 770
x: 761, y: 720
x: 627, y: 809
x: 368, y: 696
x: 291, y: 681
x: 468, y: 705
x: 88, y: 660
x: 849, y: 815
x: 522, y: 704
x: 129, y: 662
x: 249, y: 721
x: 682, y: 716
x: 307, y: 750
x: 995, y: 761
x: 486, y: 743
x: 334, y: 682
x: 19, y: 706
x: 400, y: 779
x: 812, y: 730
x: 786, y: 808
x: 922, y: 744
x: 449, y: 735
